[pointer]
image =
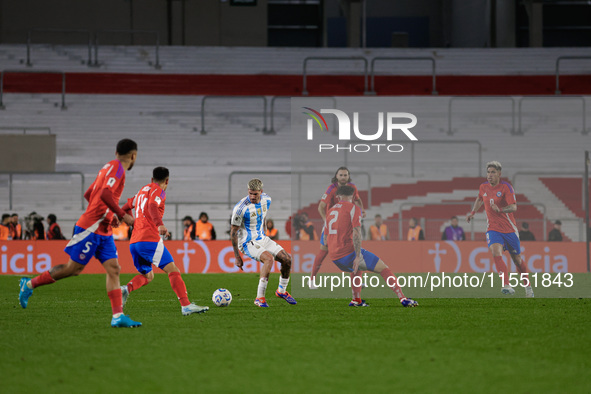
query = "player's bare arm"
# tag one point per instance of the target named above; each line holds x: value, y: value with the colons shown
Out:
x: 359, y: 203
x: 163, y: 231
x: 234, y: 238
x: 357, y: 247
x: 322, y: 210
x: 115, y: 222
x: 475, y: 208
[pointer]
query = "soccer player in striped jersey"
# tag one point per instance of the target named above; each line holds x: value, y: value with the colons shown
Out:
x: 341, y: 178
x: 498, y: 198
x: 248, y: 236
x: 93, y: 234
x: 147, y: 246
x: 343, y: 237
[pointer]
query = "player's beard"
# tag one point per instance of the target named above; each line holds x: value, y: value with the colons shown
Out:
x: 130, y: 166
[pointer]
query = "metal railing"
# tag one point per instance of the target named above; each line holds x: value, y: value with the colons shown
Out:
x: 307, y: 59
x: 422, y: 142
x: 63, y: 74
x: 205, y: 98
x: 558, y: 59
x: 11, y: 175
x: 580, y: 98
x: 380, y: 58
x: 26, y: 128
x: 49, y: 30
x: 469, y: 204
x: 299, y: 174
x: 452, y: 99
x: 275, y: 98
x: 156, y: 64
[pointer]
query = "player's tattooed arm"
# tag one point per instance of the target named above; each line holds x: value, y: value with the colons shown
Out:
x: 508, y: 208
x: 234, y: 238
x: 357, y: 247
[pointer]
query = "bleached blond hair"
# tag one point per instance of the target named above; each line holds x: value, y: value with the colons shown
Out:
x: 494, y: 164
x: 255, y: 184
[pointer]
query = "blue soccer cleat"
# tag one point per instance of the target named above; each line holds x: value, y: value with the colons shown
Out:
x: 124, y: 321
x: 24, y: 293
x: 286, y: 296
x: 355, y: 303
x: 261, y: 302
x: 408, y: 303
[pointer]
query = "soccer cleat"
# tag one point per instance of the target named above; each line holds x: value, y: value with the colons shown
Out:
x: 507, y: 289
x: 25, y: 292
x: 193, y: 308
x: 529, y: 292
x: 124, y: 295
x: 261, y: 302
x: 408, y: 303
x: 286, y: 296
x: 311, y: 284
x: 355, y: 303
x: 124, y: 321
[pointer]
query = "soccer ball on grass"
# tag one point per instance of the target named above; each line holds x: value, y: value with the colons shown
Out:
x: 222, y: 297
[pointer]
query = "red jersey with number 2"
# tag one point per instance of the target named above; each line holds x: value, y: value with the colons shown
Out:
x: 144, y: 227
x: 111, y: 176
x: 340, y: 221
x: 501, y: 195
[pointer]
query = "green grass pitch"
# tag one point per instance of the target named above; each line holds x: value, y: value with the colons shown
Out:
x: 63, y: 342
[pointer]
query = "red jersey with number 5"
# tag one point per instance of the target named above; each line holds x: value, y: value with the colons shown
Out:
x: 501, y: 195
x: 145, y: 228
x: 111, y: 176
x: 340, y: 221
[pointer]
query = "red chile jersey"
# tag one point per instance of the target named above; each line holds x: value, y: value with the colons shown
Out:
x: 149, y: 209
x: 502, y: 195
x: 97, y: 216
x: 330, y: 197
x: 340, y: 221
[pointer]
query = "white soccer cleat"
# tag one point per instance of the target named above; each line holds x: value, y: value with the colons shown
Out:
x: 311, y: 284
x: 193, y: 308
x: 507, y: 289
x: 529, y: 292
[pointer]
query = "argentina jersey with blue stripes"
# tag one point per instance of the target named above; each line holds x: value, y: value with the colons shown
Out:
x: 251, y: 219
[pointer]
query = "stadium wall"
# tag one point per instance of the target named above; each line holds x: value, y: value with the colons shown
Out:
x: 291, y: 85
x: 35, y: 257
x: 27, y: 153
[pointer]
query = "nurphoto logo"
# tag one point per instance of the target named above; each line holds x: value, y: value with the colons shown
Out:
x: 344, y: 130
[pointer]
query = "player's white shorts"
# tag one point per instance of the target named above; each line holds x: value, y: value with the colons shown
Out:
x: 254, y: 249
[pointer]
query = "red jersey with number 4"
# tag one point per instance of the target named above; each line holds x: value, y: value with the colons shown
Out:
x: 340, y: 221
x: 111, y: 176
x: 145, y: 227
x: 330, y: 197
x: 501, y: 195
